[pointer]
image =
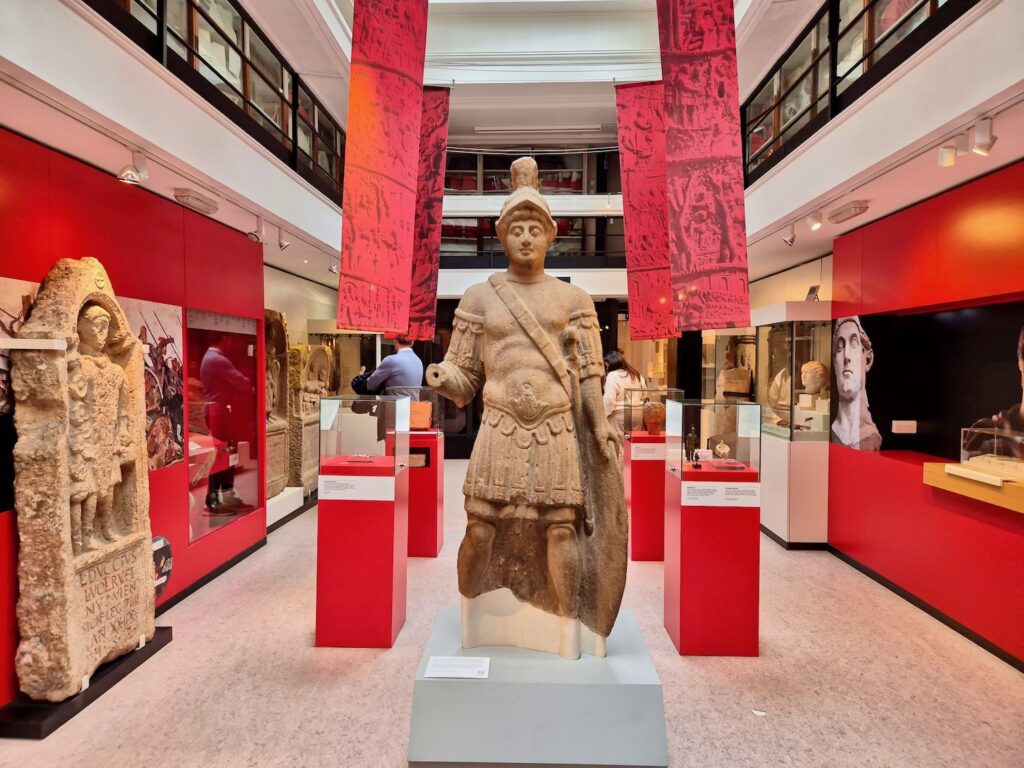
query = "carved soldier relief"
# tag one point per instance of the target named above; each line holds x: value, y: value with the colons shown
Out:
x: 309, y: 379
x: 276, y: 337
x: 81, y: 484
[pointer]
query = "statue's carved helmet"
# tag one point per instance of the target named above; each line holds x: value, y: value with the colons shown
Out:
x: 525, y: 200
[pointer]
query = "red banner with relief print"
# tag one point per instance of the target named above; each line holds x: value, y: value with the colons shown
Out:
x: 429, y: 201
x: 381, y: 163
x: 707, y: 225
x: 640, y: 110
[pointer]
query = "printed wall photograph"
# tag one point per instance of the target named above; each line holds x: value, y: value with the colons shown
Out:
x: 158, y: 326
x: 16, y: 297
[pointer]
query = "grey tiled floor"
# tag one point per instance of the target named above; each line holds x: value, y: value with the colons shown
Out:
x: 849, y: 675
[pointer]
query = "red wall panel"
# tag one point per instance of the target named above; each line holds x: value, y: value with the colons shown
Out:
x: 962, y: 557
x: 847, y: 264
x: 53, y: 207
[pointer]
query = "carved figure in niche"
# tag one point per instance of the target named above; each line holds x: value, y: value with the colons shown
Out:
x: 814, y: 377
x: 275, y: 333
x: 654, y: 417
x: 852, y: 359
x: 99, y: 433
x: 547, y: 520
x: 309, y: 376
x: 81, y: 484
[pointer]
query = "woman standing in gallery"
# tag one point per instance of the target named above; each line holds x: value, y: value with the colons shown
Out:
x: 620, y: 376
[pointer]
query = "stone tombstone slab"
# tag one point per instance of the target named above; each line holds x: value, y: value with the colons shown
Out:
x: 309, y: 377
x: 275, y: 331
x: 81, y: 484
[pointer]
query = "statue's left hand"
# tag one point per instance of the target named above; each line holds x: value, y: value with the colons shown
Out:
x: 610, y: 446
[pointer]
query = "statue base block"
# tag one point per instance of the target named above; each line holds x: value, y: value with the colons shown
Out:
x: 24, y: 718
x: 537, y: 709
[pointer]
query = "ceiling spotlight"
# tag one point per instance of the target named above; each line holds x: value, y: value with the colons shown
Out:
x: 983, y: 138
x: 257, y: 235
x: 960, y: 144
x: 947, y: 156
x: 197, y: 202
x: 281, y: 242
x: 814, y: 221
x: 334, y: 268
x: 790, y: 237
x: 135, y: 172
x: 848, y: 211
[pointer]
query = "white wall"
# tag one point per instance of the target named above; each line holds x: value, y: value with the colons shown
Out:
x: 300, y: 300
x: 792, y: 284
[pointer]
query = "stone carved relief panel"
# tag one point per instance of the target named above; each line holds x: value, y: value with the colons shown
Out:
x: 309, y: 377
x: 81, y: 484
x: 276, y: 336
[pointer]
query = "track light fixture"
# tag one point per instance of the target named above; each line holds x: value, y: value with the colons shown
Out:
x: 983, y: 138
x: 814, y: 221
x: 197, y: 202
x: 257, y: 235
x: 790, y: 236
x: 334, y: 268
x: 135, y: 172
x: 281, y: 242
x: 846, y: 212
x: 947, y: 156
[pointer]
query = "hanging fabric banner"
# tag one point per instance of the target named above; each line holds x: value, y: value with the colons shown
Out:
x: 707, y: 226
x: 426, y: 254
x: 381, y: 163
x: 640, y: 109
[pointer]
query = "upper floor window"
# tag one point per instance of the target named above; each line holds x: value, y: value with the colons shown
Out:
x: 215, y: 48
x: 848, y: 47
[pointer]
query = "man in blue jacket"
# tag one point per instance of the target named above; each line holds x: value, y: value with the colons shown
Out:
x: 402, y: 370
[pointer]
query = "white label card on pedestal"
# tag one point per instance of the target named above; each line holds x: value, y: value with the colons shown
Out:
x: 673, y: 418
x: 749, y: 421
x: 462, y: 667
x: 705, y: 494
x: 328, y: 412
x: 402, y: 413
x: 355, y: 488
x: 647, y: 452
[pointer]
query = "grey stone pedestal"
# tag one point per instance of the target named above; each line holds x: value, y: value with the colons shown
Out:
x: 536, y: 709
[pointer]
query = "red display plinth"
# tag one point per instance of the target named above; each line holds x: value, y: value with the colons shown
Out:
x: 712, y: 562
x: 426, y: 493
x: 644, y: 466
x: 362, y: 540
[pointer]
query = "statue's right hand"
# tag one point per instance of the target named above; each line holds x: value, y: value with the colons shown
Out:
x: 436, y: 376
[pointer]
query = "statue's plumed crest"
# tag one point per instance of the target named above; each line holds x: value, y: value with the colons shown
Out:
x: 524, y: 173
x: 525, y: 194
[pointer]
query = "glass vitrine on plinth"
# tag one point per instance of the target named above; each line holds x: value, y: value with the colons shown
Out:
x: 712, y: 526
x: 426, y: 471
x: 362, y: 527
x: 643, y: 465
x: 794, y: 359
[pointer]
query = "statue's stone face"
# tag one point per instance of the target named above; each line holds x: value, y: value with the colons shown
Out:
x: 94, y: 327
x: 813, y: 379
x: 527, y: 242
x: 849, y: 361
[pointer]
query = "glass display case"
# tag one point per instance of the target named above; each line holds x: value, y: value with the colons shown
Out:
x: 223, y: 442
x: 424, y: 407
x: 645, y: 411
x: 793, y: 379
x: 706, y: 440
x: 368, y: 434
x: 729, y: 370
x: 997, y: 453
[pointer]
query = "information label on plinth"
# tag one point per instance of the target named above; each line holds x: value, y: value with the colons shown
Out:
x: 356, y: 488
x: 719, y: 494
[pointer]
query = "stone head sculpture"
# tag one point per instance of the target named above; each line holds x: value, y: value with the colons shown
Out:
x: 814, y: 377
x: 852, y: 356
x: 654, y: 417
x: 93, y: 329
x: 525, y: 227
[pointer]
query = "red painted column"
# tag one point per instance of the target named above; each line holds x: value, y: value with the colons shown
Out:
x: 712, y: 564
x: 362, y: 560
x: 8, y: 602
x: 426, y: 494
x: 644, y: 468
